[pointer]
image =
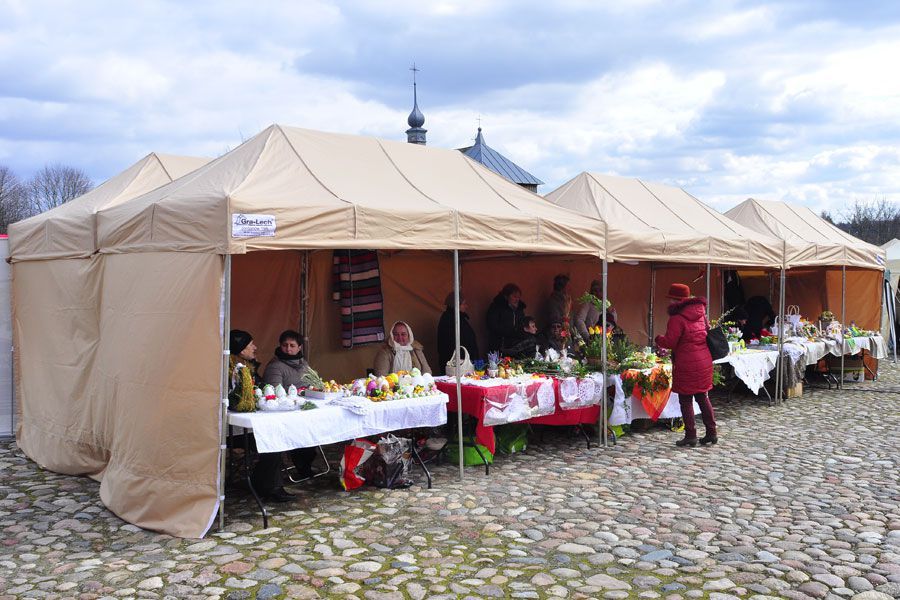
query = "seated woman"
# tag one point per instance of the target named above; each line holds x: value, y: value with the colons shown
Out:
x: 401, y: 352
x: 558, y: 338
x: 287, y: 368
x: 266, y: 475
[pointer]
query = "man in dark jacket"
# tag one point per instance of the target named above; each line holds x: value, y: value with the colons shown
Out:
x: 505, y: 317
x: 446, y: 335
x: 288, y: 368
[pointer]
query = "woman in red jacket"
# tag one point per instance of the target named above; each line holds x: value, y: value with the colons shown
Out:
x: 692, y: 366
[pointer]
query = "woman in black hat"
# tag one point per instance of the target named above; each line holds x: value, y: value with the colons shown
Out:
x: 266, y: 476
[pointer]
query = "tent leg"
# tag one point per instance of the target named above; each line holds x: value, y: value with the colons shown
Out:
x: 603, y: 410
x: 708, y: 288
x: 459, y: 413
x: 843, y: 319
x: 223, y: 407
x: 779, y: 375
x: 650, y: 335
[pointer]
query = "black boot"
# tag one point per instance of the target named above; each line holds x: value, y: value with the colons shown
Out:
x: 689, y: 442
x: 709, y: 439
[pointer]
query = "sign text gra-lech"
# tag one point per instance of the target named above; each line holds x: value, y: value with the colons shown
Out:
x: 246, y: 225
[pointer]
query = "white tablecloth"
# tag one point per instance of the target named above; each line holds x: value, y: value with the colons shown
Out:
x: 752, y: 366
x: 281, y: 431
x: 625, y: 410
x: 818, y: 349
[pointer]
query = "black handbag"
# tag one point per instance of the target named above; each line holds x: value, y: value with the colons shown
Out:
x: 717, y: 342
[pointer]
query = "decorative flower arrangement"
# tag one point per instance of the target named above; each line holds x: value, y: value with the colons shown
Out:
x: 493, y: 360
x: 734, y: 334
x: 646, y: 384
x: 855, y: 331
x: 393, y: 386
x: 721, y: 322
x: 639, y: 360
x: 592, y: 347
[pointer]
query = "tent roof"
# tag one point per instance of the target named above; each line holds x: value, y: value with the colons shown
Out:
x: 650, y: 221
x: 67, y: 231
x: 329, y: 190
x: 892, y: 248
x: 812, y: 240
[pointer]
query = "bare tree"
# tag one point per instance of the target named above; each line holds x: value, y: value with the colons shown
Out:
x: 13, y: 203
x: 55, y: 185
x: 876, y: 221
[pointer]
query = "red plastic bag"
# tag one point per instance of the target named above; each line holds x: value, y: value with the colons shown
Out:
x: 356, y: 453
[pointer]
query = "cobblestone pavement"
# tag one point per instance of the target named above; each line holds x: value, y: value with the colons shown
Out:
x: 796, y: 501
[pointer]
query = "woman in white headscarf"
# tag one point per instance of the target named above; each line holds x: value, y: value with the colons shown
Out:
x: 401, y: 352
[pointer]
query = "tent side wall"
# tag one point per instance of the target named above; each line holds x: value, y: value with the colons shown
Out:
x: 56, y: 333
x: 864, y: 296
x: 119, y: 368
x: 160, y: 360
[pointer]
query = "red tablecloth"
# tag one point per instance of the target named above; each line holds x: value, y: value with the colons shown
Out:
x: 474, y: 403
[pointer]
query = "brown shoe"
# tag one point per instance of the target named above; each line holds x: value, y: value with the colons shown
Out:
x: 689, y: 442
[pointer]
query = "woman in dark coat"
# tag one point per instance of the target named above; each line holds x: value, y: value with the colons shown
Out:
x: 692, y: 367
x: 446, y: 336
x: 505, y: 317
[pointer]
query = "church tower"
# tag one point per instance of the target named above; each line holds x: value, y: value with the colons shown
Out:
x: 415, y: 134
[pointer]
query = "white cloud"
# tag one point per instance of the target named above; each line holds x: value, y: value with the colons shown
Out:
x: 728, y: 101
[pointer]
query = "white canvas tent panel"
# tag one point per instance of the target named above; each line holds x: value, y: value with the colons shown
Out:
x: 654, y: 222
x: 68, y: 231
x: 330, y: 190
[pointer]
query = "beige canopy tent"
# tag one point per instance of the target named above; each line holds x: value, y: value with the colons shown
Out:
x: 813, y: 246
x: 813, y: 249
x: 135, y: 398
x: 657, y: 224
x: 68, y: 231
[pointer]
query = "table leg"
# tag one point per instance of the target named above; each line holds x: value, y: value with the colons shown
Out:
x: 487, y: 466
x: 262, y: 508
x: 418, y: 459
x: 584, y: 434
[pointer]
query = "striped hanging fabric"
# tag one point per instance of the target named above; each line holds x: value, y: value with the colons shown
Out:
x: 356, y: 281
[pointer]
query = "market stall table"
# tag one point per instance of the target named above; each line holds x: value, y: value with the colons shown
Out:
x: 493, y: 402
x: 626, y: 410
x: 338, y: 421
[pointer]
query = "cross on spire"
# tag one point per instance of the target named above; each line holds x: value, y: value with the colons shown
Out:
x: 415, y: 134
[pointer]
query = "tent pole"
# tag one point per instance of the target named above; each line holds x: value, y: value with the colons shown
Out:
x: 708, y: 299
x: 603, y: 415
x: 892, y: 298
x: 304, y: 301
x: 779, y: 367
x: 652, y: 296
x: 843, y: 318
x: 223, y: 407
x: 459, y: 414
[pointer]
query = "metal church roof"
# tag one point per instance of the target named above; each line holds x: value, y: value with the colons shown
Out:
x: 498, y: 163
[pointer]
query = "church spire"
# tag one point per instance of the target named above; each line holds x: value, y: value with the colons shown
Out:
x: 415, y: 134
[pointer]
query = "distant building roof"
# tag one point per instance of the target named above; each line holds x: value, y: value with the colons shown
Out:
x: 498, y: 163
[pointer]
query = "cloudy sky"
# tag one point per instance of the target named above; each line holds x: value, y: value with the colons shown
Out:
x: 796, y: 99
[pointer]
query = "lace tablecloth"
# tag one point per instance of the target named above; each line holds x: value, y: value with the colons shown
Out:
x: 752, y: 366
